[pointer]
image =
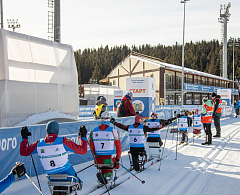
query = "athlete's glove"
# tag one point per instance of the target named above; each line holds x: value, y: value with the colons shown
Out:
x: 169, y: 121
x: 112, y: 120
x: 25, y: 133
x: 82, y: 131
x: 18, y: 171
x: 116, y: 164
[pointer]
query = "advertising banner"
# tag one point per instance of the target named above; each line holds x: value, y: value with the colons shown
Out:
x: 225, y: 96
x: 205, y: 88
x: 118, y: 95
x: 144, y: 94
x: 87, y: 111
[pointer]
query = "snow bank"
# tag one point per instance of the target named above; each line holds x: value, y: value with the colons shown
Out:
x: 36, y: 118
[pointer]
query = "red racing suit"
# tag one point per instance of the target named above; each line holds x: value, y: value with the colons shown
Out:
x: 106, y: 159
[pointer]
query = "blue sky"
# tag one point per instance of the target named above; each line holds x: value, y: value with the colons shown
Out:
x: 92, y: 23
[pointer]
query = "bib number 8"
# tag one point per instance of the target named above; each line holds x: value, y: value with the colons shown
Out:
x: 52, y: 163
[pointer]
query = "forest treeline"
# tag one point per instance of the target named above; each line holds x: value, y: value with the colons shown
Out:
x: 203, y: 56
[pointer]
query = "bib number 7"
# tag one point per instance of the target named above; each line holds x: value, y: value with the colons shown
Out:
x: 102, y: 145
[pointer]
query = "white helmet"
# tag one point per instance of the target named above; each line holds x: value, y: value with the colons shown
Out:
x: 105, y: 116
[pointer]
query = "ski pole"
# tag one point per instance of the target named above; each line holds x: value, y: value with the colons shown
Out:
x: 34, y: 184
x: 193, y: 129
x: 173, y: 132
x: 143, y: 182
x: 35, y: 171
x: 114, y: 128
x: 163, y: 148
x: 85, y: 168
x: 177, y: 140
x: 97, y: 166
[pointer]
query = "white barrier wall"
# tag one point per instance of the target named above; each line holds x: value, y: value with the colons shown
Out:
x: 36, y: 76
x: 144, y: 94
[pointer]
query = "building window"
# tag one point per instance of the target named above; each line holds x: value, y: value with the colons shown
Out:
x: 179, y: 99
x: 195, y: 80
x: 114, y: 83
x: 171, y: 99
x: 210, y: 83
x: 197, y: 99
x: 199, y: 80
x: 179, y: 82
x: 188, y: 99
x: 190, y: 78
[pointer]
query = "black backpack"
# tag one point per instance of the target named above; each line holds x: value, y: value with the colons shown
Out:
x: 120, y: 110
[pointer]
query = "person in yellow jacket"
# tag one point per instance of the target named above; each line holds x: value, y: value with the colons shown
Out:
x: 101, y: 106
x: 206, y: 118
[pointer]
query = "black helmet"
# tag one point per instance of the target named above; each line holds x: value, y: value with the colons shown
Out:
x: 182, y: 112
x: 103, y: 98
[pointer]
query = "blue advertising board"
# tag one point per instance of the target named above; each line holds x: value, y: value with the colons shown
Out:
x: 205, y: 88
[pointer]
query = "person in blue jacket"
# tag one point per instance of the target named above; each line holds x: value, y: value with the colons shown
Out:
x: 16, y: 172
x: 236, y: 105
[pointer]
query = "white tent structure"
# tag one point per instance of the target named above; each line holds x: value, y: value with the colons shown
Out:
x: 36, y: 76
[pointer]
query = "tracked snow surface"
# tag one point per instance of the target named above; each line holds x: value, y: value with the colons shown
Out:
x: 197, y: 169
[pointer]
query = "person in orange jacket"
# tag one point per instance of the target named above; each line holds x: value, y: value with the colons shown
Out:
x: 217, y: 112
x: 102, y: 140
x: 206, y: 118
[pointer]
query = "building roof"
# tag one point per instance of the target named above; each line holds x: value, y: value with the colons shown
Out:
x: 160, y: 63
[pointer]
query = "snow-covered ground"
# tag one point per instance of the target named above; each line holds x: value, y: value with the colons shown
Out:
x: 198, y: 169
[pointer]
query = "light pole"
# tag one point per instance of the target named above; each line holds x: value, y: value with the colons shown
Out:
x: 232, y: 42
x: 184, y: 2
x: 13, y: 24
x: 224, y: 18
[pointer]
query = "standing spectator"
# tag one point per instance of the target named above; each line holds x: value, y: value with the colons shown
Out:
x: 206, y: 118
x: 217, y: 112
x: 125, y: 108
x: 236, y: 105
x: 101, y: 106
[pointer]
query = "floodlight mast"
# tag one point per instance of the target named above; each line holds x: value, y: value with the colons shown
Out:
x: 224, y: 18
x: 184, y: 2
x: 232, y: 42
x: 13, y: 24
x: 1, y: 14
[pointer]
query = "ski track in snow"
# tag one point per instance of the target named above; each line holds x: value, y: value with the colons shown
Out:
x: 199, y: 169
